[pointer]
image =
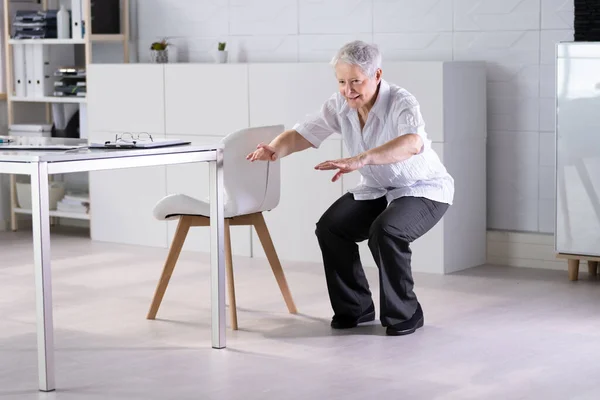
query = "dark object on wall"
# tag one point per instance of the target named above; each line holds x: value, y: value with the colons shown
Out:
x: 71, y: 130
x: 106, y: 17
x: 587, y: 20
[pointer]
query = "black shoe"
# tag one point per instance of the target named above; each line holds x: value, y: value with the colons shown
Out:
x: 343, y: 322
x: 409, y: 326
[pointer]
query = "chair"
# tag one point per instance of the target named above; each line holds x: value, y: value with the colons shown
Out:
x: 250, y: 189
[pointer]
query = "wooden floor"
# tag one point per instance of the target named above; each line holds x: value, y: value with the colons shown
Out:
x: 491, y: 332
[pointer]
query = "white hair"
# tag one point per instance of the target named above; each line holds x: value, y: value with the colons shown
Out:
x: 365, y: 55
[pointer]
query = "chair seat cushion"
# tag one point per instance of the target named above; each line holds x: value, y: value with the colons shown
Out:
x: 175, y: 205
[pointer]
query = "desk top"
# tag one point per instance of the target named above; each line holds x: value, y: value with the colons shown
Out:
x: 85, y: 153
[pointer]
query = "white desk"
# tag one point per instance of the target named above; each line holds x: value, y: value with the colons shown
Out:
x: 40, y: 164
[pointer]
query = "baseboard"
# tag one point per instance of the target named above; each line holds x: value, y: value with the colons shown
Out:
x: 527, y: 250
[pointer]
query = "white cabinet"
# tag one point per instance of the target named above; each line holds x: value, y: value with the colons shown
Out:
x: 305, y: 195
x: 577, y: 142
x: 126, y: 98
x: 192, y: 180
x: 122, y: 202
x: 465, y: 222
x: 286, y: 93
x: 452, y: 96
x: 426, y: 82
x: 207, y: 100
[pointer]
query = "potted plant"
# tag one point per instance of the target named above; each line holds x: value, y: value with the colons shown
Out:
x: 222, y: 53
x: 160, y: 51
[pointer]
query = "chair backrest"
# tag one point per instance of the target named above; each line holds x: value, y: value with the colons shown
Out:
x: 250, y: 186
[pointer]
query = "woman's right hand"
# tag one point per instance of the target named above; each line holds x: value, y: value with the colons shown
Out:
x: 263, y: 152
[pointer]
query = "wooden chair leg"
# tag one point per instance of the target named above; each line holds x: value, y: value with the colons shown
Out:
x: 573, y: 269
x: 230, y: 282
x: 180, y: 234
x: 593, y: 268
x: 267, y: 244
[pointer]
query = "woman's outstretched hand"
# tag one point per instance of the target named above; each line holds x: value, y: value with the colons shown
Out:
x: 344, y: 165
x: 263, y: 152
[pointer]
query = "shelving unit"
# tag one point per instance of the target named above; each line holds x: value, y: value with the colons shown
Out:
x: 10, y: 95
x: 58, y: 214
x: 48, y: 99
x: 46, y: 41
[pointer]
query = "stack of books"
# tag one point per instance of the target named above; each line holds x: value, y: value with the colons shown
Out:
x: 71, y: 82
x: 587, y: 21
x: 35, y: 24
x: 74, y: 202
x: 37, y: 130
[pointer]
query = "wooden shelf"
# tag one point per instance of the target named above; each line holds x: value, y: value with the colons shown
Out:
x: 46, y: 41
x: 3, y: 96
x: 116, y: 38
x: 54, y: 213
x: 108, y: 38
x: 48, y: 99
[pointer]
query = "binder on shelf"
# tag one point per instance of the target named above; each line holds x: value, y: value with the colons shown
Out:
x: 30, y: 70
x: 41, y: 59
x: 19, y: 72
x: 48, y: 59
x: 76, y: 19
x: 35, y: 65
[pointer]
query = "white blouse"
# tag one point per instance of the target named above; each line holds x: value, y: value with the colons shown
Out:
x: 396, y: 112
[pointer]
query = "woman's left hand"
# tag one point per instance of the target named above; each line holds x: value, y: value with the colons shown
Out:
x: 344, y: 165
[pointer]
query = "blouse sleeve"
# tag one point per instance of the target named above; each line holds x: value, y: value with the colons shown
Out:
x: 410, y: 120
x: 317, y: 127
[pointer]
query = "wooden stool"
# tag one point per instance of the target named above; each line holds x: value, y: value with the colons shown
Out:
x: 573, y: 261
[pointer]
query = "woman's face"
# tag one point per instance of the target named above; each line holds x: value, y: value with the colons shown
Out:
x: 355, y: 86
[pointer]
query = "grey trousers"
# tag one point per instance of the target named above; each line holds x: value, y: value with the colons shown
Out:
x: 389, y: 230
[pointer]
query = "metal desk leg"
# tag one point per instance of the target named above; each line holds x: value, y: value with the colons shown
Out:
x: 13, y: 203
x: 217, y: 253
x: 43, y: 284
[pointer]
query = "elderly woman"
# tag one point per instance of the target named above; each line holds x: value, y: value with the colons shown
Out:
x: 404, y: 191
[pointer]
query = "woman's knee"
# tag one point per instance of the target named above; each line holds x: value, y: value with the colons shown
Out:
x: 382, y: 227
x: 378, y: 227
x: 324, y: 226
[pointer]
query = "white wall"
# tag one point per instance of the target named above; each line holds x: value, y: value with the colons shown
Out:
x: 515, y: 36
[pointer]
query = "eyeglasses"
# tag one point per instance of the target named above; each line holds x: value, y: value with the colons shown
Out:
x: 128, y: 137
